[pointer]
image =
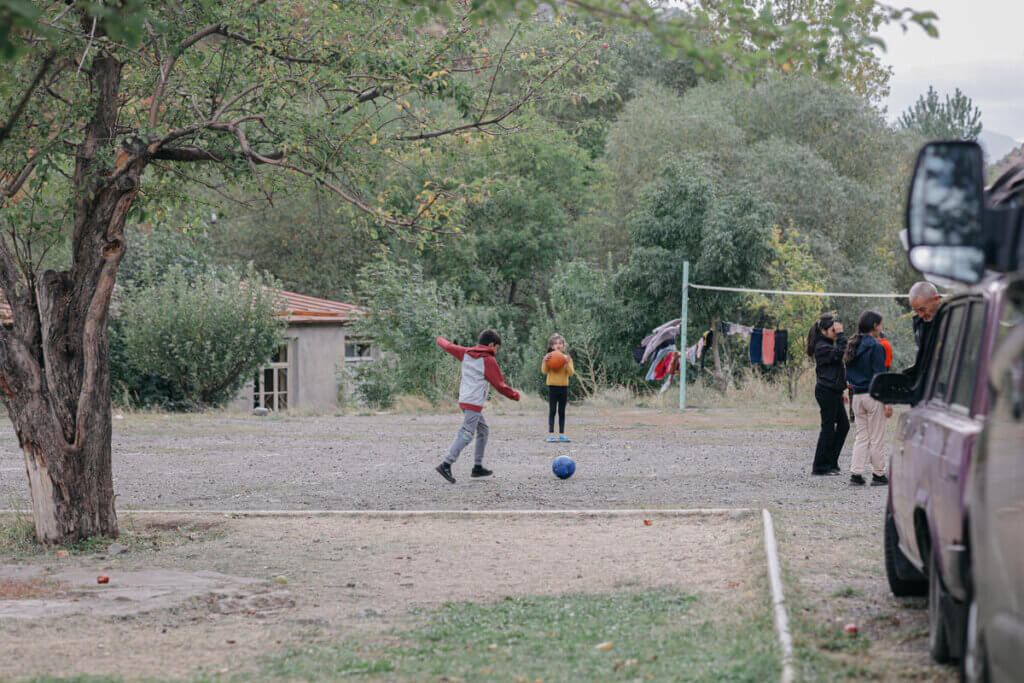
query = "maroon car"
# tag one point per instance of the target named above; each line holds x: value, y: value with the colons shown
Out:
x: 954, y: 524
x: 925, y: 522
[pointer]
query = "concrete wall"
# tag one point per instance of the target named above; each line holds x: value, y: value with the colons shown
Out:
x: 314, y: 352
x: 317, y: 351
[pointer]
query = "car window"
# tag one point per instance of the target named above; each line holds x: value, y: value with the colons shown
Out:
x: 945, y: 354
x: 970, y: 350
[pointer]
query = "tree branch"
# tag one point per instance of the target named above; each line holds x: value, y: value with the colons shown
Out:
x: 508, y: 112
x: 27, y: 95
x: 191, y: 153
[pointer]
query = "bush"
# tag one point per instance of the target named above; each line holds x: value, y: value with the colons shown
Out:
x: 375, y: 384
x: 194, y: 340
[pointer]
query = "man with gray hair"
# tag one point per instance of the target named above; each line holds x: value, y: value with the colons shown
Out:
x: 924, y: 300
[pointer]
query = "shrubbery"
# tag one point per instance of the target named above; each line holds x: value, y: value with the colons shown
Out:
x: 187, y: 334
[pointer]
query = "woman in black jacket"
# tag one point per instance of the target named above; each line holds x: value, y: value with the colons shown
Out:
x: 826, y: 344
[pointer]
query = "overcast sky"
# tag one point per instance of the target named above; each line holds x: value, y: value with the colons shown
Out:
x: 980, y: 49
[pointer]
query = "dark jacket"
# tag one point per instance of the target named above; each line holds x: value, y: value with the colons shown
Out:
x: 868, y: 361
x: 922, y: 334
x: 828, y: 362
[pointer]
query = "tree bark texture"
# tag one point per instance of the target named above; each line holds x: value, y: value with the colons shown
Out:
x: 54, y: 359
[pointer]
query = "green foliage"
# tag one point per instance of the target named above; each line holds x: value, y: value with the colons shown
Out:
x: 406, y: 312
x: 956, y: 118
x: 722, y: 36
x: 203, y: 335
x: 582, y: 304
x: 312, y: 243
x: 375, y: 383
x: 686, y: 215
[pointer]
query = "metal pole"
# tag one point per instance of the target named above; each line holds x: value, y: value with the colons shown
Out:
x: 682, y: 337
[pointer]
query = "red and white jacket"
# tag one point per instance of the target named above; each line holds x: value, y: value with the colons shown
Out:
x: 478, y: 369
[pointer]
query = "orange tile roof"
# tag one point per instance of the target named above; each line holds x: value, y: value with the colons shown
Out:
x: 302, y: 309
x: 299, y: 309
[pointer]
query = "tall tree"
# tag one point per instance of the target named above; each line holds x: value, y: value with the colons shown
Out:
x: 216, y: 94
x: 955, y: 118
x: 109, y: 106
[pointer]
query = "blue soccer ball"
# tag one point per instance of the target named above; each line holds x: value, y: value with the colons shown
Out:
x: 563, y: 466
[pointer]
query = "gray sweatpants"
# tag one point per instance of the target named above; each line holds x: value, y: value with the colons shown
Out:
x: 473, y: 422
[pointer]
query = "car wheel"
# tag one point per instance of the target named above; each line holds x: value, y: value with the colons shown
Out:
x: 974, y: 667
x: 897, y: 565
x: 938, y: 636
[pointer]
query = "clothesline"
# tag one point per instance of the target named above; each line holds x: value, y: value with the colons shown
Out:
x: 873, y: 295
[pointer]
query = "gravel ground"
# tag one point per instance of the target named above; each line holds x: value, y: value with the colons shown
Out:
x: 625, y: 458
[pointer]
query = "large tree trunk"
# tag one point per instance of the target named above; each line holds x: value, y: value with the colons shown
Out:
x: 54, y: 359
x: 72, y: 495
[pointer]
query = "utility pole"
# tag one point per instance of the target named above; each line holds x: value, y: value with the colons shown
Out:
x: 682, y: 337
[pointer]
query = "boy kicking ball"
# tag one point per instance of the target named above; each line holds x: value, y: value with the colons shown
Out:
x: 478, y: 370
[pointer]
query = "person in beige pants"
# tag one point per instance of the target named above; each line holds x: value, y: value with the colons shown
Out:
x: 865, y: 358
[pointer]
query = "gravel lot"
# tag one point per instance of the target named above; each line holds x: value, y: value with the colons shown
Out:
x: 627, y: 457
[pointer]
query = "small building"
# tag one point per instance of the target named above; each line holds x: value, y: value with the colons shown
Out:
x: 304, y: 371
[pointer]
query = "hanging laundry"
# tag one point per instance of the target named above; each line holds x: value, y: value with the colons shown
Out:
x: 672, y: 371
x: 657, y: 359
x: 691, y: 355
x: 755, y: 346
x: 638, y: 354
x: 768, y: 347
x: 735, y: 328
x: 671, y: 323
x: 660, y: 335
x: 781, y: 346
x: 665, y: 366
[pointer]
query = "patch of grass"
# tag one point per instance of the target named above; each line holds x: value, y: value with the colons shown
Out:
x: 847, y: 592
x: 18, y: 537
x: 659, y: 635
x: 17, y: 534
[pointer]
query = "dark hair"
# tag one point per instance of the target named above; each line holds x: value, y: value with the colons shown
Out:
x: 826, y: 321
x: 866, y: 323
x: 551, y: 341
x: 489, y: 337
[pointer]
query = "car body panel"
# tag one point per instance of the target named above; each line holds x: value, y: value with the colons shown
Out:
x: 996, y: 499
x: 929, y: 471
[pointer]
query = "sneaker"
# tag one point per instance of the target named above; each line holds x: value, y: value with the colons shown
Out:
x: 879, y: 480
x: 834, y: 471
x: 445, y: 470
x: 480, y: 471
x: 551, y: 439
x: 562, y: 438
x: 856, y: 480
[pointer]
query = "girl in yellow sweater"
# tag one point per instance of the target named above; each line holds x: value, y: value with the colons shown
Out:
x: 558, y: 387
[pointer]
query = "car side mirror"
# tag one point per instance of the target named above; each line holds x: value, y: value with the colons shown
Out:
x: 892, y: 387
x: 945, y: 212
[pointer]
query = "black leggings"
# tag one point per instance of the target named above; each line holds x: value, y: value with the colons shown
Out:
x: 834, y: 427
x: 557, y: 398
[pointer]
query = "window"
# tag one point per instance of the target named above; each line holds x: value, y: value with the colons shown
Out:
x: 967, y: 369
x: 945, y: 354
x: 358, y: 351
x: 270, y: 388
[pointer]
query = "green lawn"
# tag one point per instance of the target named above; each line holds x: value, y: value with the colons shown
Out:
x: 659, y: 635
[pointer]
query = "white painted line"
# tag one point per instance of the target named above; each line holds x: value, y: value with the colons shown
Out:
x: 612, y: 512
x: 778, y: 601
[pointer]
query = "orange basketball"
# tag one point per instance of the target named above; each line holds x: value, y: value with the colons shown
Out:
x: 556, y: 360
